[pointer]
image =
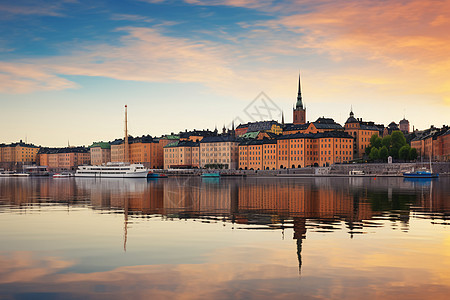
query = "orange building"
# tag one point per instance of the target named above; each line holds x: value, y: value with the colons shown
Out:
x: 296, y: 151
x: 362, y: 132
x: 433, y: 142
x: 144, y: 150
x: 16, y: 154
x: 61, y: 159
x: 182, y: 154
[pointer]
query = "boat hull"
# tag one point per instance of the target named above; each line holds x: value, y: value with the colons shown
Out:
x: 107, y: 175
x: 412, y: 175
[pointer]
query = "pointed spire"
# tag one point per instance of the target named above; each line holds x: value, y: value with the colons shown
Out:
x: 299, y: 103
x: 351, y: 111
x: 282, y: 117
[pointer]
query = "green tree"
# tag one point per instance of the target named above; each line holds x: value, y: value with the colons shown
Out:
x: 374, y: 154
x: 413, y: 154
x: 384, y: 153
x: 367, y: 151
x: 398, y: 140
x: 403, y: 153
x: 375, y: 141
x: 386, y: 141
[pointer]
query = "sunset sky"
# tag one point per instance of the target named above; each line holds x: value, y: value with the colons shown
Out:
x: 67, y: 69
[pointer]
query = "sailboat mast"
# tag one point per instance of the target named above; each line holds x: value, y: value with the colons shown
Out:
x: 126, y: 151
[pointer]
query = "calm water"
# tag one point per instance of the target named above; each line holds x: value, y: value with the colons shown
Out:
x: 188, y: 238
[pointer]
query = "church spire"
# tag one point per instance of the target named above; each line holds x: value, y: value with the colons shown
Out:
x: 299, y: 103
x: 282, y: 118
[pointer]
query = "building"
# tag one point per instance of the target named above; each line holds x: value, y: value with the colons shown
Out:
x: 64, y: 159
x: 320, y: 125
x: 433, y: 143
x: 260, y: 126
x: 219, y: 151
x: 195, y: 135
x: 100, y: 153
x: 182, y: 155
x: 362, y: 131
x: 296, y: 151
x: 16, y: 155
x: 404, y: 126
x: 144, y: 150
x: 390, y: 129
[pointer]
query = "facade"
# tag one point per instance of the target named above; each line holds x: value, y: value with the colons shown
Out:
x: 100, y: 153
x: 296, y: 151
x: 195, y: 135
x: 144, y: 150
x: 219, y: 150
x: 182, y: 154
x: 15, y: 154
x: 320, y: 125
x: 362, y: 132
x: 404, y: 126
x: 260, y: 126
x: 63, y: 159
x: 433, y: 143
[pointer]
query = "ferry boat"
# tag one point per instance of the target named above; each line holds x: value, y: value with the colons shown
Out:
x: 113, y: 170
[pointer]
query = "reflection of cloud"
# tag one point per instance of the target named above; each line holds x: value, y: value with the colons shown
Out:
x: 330, y: 270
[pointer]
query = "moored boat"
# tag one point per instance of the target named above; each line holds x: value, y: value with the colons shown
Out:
x: 210, y: 175
x: 62, y: 175
x: 156, y: 175
x: 420, y: 174
x: 113, y: 170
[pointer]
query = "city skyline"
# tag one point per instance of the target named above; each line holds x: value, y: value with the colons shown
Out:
x: 68, y: 69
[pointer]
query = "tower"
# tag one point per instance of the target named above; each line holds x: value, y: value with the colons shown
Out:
x: 299, y: 111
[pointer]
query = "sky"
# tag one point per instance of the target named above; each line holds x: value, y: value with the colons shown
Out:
x: 68, y: 68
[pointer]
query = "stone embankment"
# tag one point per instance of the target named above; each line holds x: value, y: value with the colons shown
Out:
x: 394, y: 169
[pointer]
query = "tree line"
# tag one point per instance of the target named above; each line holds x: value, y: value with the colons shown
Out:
x: 391, y: 145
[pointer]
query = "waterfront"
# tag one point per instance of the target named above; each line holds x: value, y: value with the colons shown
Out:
x: 189, y: 238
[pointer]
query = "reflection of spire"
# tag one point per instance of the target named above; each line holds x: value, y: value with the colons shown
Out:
x: 299, y: 235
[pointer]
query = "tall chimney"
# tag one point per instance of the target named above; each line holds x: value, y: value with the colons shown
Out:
x: 126, y: 151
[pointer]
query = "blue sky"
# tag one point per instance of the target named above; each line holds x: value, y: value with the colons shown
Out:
x: 67, y: 69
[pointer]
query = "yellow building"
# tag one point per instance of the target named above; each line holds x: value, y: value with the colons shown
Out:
x: 16, y: 154
x: 182, y: 154
x: 362, y: 132
x: 219, y: 151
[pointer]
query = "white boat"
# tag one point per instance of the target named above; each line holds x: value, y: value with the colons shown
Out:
x: 356, y: 173
x: 21, y: 175
x: 62, y: 175
x: 113, y: 170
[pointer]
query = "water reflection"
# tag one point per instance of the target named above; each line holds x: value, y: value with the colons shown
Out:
x: 299, y: 207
